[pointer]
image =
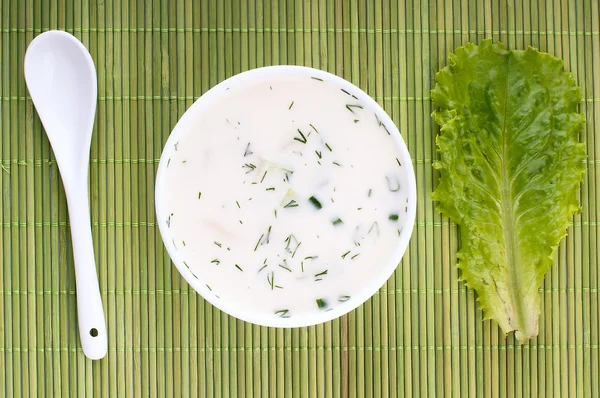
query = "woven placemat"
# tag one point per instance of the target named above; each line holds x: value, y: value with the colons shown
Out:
x: 422, y: 334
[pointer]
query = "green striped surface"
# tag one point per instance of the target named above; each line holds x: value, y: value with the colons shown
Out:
x: 422, y: 334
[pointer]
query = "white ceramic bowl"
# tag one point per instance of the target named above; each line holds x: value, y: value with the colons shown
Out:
x: 371, y: 286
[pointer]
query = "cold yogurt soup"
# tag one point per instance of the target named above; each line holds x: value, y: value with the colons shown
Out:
x: 284, y: 196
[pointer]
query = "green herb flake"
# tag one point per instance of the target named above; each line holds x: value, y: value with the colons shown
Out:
x: 343, y: 299
x: 238, y: 267
x: 322, y: 304
x: 393, y: 217
x: 209, y: 288
x: 345, y: 254
x: 315, y: 202
x: 316, y: 78
x: 337, y: 221
x: 199, y: 195
x: 328, y: 147
x: 216, y: 261
x: 291, y: 105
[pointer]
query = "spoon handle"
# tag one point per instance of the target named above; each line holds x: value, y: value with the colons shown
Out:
x: 92, y: 326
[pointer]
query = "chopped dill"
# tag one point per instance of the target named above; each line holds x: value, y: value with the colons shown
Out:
x: 285, y: 267
x: 248, y: 151
x: 374, y: 227
x: 264, y: 175
x: 249, y: 166
x: 302, y: 138
x: 283, y: 313
x: 271, y: 280
x: 294, y: 253
x: 291, y: 203
x: 258, y: 243
x: 351, y: 107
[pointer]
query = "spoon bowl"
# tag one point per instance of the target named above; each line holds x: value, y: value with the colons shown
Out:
x: 62, y: 81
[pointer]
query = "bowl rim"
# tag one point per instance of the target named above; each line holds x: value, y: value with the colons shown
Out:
x: 371, y: 286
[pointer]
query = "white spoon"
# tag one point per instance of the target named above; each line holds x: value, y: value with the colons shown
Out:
x: 62, y: 81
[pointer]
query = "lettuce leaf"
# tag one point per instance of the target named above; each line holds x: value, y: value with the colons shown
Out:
x: 510, y: 166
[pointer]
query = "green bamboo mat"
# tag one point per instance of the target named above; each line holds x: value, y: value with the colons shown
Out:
x: 421, y: 335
